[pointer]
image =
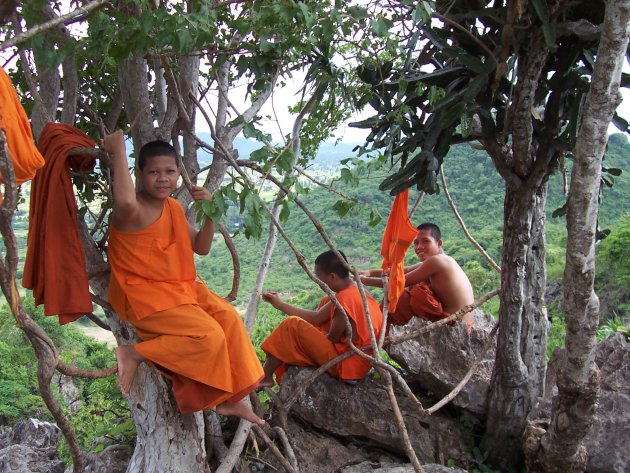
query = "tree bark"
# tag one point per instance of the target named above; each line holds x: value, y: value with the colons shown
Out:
x: 519, y: 371
x: 560, y: 449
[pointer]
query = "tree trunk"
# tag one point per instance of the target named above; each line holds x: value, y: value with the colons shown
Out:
x: 560, y: 448
x: 519, y: 370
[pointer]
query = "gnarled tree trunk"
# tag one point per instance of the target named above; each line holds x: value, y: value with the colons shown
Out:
x: 560, y: 449
x: 521, y: 346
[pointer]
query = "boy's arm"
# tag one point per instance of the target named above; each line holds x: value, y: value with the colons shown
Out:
x: 126, y: 206
x: 424, y: 271
x: 372, y: 281
x: 372, y: 277
x: 314, y: 317
x: 338, y: 327
x: 201, y: 240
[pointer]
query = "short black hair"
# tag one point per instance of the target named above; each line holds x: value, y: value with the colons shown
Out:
x: 155, y: 148
x: 433, y: 228
x: 328, y: 262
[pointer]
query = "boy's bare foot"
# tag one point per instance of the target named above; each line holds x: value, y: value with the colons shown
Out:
x: 128, y: 360
x: 239, y: 409
x: 266, y: 382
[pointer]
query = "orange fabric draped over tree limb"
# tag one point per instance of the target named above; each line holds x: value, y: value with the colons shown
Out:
x: 25, y: 156
x: 398, y: 235
x: 55, y: 262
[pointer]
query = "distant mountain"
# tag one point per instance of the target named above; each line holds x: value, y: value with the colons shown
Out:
x: 328, y: 156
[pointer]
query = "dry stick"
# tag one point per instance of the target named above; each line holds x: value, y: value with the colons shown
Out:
x: 72, y: 17
x: 394, y: 340
x: 372, y: 359
x: 287, y: 447
x: 68, y: 370
x: 272, y: 446
x: 411, y: 454
x: 98, y: 322
x: 236, y: 264
x: 32, y: 86
x: 417, y: 203
x: 487, y: 257
x: 450, y: 396
x: 381, y: 337
x: 45, y: 350
x: 295, y: 142
x: 329, y: 187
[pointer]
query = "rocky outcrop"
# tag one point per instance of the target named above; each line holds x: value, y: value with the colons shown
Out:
x: 31, y: 447
x: 606, y: 443
x: 25, y: 459
x: 36, y: 433
x: 361, y: 413
x: 114, y: 459
x: 437, y: 361
x: 372, y: 467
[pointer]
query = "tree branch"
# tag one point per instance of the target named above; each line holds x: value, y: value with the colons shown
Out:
x: 77, y: 14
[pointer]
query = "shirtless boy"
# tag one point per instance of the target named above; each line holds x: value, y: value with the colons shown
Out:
x: 314, y: 337
x: 434, y: 288
x: 193, y: 336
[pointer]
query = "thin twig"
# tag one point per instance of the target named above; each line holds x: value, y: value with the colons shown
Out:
x: 77, y: 14
x: 483, y: 252
x: 272, y: 447
x: 456, y: 390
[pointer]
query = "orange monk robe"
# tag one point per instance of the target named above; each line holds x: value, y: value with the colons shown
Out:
x: 13, y: 120
x: 191, y: 334
x: 297, y: 342
x: 399, y: 233
x: 55, y: 262
x: 417, y: 300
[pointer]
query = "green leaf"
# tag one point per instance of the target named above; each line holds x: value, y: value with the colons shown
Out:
x: 542, y: 11
x: 261, y: 154
x: 560, y: 212
x: 375, y: 218
x: 613, y: 171
x: 342, y: 207
x: 381, y: 26
x: 284, y: 212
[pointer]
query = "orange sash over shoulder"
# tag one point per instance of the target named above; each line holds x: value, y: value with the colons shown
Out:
x: 399, y: 233
x: 192, y: 335
x: 153, y: 268
x: 13, y: 120
x: 349, y: 298
x: 55, y: 261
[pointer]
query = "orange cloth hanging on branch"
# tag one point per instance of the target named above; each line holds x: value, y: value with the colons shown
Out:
x: 398, y: 235
x: 55, y: 262
x: 25, y: 156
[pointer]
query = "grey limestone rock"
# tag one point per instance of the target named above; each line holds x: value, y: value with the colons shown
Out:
x: 363, y: 412
x: 437, y: 361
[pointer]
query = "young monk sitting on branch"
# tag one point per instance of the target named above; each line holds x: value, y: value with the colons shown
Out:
x: 434, y: 288
x: 189, y: 333
x: 314, y: 337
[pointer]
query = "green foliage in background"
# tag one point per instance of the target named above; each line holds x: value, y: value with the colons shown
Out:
x: 99, y: 415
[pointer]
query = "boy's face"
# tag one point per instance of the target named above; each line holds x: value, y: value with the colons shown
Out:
x: 159, y: 176
x: 425, y: 245
x: 328, y: 278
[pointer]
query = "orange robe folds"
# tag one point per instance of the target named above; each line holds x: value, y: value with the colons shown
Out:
x: 297, y: 342
x: 191, y: 334
x: 13, y: 120
x: 399, y: 234
x: 418, y: 300
x: 55, y: 262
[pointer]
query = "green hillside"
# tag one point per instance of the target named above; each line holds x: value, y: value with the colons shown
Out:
x: 474, y: 185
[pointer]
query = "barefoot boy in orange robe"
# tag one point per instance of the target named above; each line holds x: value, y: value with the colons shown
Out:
x: 189, y: 333
x: 314, y: 337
